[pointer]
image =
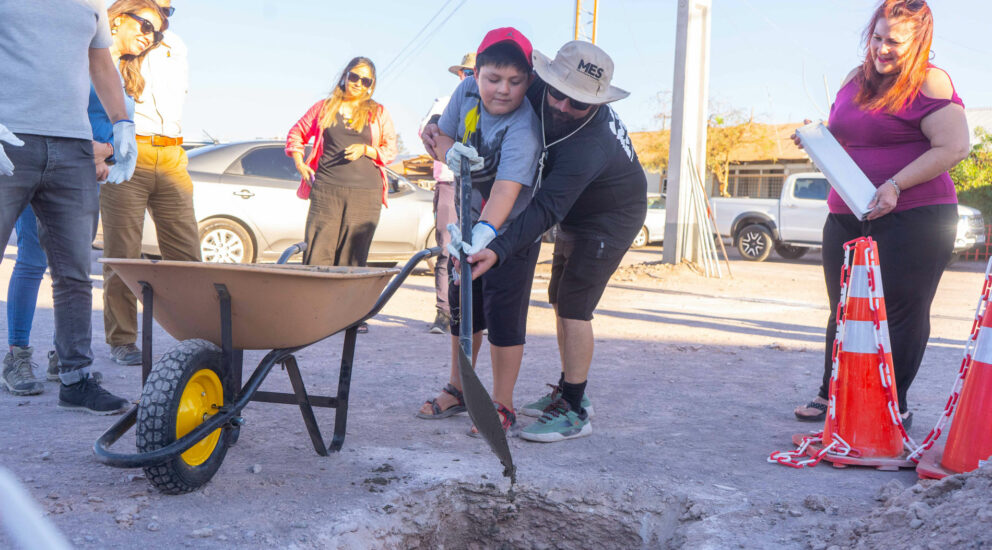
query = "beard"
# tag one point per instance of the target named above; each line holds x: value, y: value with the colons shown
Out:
x: 558, y: 124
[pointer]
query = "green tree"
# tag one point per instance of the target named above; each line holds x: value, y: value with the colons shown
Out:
x: 973, y: 176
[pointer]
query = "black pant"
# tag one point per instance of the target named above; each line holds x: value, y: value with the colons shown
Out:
x: 340, y: 224
x: 914, y: 247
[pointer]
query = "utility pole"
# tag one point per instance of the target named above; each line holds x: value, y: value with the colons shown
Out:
x: 585, y: 20
x: 690, y: 94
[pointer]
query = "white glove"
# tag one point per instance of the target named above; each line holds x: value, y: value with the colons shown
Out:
x: 455, y: 246
x: 453, y: 158
x: 125, y: 152
x: 7, y: 167
x: 482, y: 234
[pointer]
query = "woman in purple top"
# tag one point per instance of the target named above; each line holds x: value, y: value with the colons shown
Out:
x: 901, y: 121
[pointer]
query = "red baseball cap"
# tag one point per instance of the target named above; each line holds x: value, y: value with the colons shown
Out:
x: 508, y: 34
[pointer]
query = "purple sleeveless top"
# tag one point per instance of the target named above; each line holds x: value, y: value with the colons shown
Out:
x: 882, y: 144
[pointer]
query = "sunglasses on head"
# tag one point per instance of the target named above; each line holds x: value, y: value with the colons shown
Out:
x: 146, y: 26
x: 559, y: 96
x: 355, y: 77
x: 167, y: 12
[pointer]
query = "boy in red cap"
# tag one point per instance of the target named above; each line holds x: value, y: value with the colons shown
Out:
x: 489, y: 124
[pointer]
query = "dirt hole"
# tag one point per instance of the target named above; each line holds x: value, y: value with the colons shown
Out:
x: 459, y: 515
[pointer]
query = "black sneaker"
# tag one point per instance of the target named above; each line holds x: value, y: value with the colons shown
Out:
x: 89, y: 396
x: 441, y: 324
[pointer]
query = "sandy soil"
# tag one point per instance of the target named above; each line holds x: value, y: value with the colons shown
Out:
x: 694, y: 381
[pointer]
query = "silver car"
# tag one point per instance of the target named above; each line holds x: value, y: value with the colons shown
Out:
x: 244, y: 196
x: 653, y: 230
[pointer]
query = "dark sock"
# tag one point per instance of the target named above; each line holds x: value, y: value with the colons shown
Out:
x: 572, y: 393
x: 561, y: 380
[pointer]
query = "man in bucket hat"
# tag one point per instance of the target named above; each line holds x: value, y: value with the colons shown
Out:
x: 593, y: 186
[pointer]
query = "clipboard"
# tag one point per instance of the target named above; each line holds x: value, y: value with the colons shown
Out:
x: 844, y: 176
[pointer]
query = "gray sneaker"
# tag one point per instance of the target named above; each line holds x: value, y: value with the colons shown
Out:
x: 18, y: 377
x: 127, y: 355
x: 53, y: 366
x: 441, y: 324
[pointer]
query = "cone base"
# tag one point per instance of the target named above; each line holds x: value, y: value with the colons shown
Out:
x: 880, y: 463
x: 930, y: 467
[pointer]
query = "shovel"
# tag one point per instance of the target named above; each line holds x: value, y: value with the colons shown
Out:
x: 477, y: 400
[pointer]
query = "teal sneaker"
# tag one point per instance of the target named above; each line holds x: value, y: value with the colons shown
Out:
x: 536, y: 409
x: 558, y: 423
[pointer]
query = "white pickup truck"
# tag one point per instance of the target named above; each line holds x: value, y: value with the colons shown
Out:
x: 793, y: 224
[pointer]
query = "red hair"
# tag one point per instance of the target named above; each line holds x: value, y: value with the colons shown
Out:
x: 890, y: 93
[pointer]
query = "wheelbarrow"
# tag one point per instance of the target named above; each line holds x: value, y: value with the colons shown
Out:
x: 190, y: 408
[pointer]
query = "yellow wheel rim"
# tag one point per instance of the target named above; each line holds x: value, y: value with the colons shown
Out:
x: 201, y: 399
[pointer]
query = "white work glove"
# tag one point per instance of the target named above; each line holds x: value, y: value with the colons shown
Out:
x: 482, y: 234
x: 7, y: 167
x: 455, y: 245
x: 453, y: 158
x: 125, y: 152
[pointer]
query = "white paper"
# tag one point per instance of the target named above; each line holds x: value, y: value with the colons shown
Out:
x: 843, y: 174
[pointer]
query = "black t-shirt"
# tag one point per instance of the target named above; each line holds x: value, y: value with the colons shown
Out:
x: 592, y: 185
x: 334, y: 169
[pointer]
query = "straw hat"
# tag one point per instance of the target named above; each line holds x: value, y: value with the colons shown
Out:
x: 580, y: 70
x: 468, y: 62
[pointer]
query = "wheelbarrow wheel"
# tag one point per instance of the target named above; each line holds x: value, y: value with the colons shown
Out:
x: 185, y: 387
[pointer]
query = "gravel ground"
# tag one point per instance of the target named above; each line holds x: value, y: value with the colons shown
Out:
x: 694, y: 381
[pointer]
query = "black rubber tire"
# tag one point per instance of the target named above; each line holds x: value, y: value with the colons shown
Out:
x: 216, y: 234
x: 755, y: 243
x: 641, y: 239
x: 156, y: 424
x: 790, y: 252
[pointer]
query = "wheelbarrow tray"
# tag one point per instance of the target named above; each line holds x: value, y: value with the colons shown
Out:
x: 272, y: 306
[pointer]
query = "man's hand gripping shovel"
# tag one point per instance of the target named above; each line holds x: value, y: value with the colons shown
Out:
x: 477, y: 400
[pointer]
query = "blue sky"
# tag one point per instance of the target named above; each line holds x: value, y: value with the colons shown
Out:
x: 256, y: 65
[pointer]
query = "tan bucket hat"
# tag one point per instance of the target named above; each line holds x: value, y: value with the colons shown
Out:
x: 580, y: 70
x: 468, y: 62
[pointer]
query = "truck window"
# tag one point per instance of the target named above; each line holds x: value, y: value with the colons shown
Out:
x: 811, y: 188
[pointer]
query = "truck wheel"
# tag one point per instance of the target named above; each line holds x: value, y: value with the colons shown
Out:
x: 184, y: 388
x: 790, y: 252
x: 754, y: 242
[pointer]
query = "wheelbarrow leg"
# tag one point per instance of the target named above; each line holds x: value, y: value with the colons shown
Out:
x: 293, y: 370
x: 344, y: 387
x: 147, y: 306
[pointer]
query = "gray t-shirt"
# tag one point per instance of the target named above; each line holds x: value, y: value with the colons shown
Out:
x: 44, y: 64
x: 510, y: 144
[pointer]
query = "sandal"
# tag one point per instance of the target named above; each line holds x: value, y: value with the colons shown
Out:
x: 363, y: 328
x: 507, y: 418
x: 819, y: 417
x: 437, y: 412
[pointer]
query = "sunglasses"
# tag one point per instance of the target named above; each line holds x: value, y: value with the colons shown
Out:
x: 577, y: 105
x: 468, y: 72
x: 355, y: 77
x: 167, y: 12
x: 146, y: 27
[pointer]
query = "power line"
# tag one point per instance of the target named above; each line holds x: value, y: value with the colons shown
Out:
x: 416, y: 36
x: 423, y: 44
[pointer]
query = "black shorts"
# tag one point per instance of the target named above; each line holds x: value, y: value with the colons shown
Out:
x: 499, y: 299
x: 580, y: 270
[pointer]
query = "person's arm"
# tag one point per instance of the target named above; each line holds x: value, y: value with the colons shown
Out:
x: 385, y: 151
x: 502, y: 197
x: 107, y: 83
x: 947, y: 130
x: 297, y: 138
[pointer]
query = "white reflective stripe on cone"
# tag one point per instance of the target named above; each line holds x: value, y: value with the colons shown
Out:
x: 858, y: 287
x: 983, y: 351
x: 859, y: 337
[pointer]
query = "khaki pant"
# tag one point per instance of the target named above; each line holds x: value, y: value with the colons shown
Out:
x: 163, y: 186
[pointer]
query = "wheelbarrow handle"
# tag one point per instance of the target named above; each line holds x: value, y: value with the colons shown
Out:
x: 397, y: 281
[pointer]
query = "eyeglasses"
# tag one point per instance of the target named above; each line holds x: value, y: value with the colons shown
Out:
x: 355, y: 77
x: 468, y: 72
x: 146, y: 26
x: 559, y: 96
x: 167, y: 12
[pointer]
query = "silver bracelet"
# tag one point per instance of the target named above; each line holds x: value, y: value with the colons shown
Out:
x: 896, y: 185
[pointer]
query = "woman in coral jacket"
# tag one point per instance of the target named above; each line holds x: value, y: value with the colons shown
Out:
x: 345, y: 176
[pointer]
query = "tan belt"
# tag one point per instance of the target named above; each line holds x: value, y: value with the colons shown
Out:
x: 160, y: 141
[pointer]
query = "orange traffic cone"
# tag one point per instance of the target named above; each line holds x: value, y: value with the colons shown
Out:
x: 970, y: 438
x: 863, y: 426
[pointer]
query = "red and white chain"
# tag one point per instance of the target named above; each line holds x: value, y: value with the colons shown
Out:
x: 952, y: 400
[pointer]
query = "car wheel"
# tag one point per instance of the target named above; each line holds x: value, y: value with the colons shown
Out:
x: 225, y: 241
x: 641, y: 239
x: 754, y: 242
x: 790, y: 252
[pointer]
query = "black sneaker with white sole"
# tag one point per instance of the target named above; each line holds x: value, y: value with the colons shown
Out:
x: 89, y: 396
